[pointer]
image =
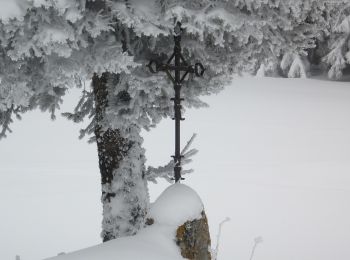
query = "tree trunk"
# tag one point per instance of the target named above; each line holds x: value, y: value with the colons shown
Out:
x: 121, y: 161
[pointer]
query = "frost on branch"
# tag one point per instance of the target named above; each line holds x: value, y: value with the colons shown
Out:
x: 167, y: 171
x: 294, y: 65
x: 84, y: 108
x: 5, y: 121
x: 339, y: 56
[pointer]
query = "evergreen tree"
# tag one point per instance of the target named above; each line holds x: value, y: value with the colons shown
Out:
x: 272, y: 37
x: 288, y: 29
x: 57, y: 44
x: 338, y: 57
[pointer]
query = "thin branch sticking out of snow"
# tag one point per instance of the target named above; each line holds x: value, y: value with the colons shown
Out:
x: 257, y: 241
x: 218, y: 236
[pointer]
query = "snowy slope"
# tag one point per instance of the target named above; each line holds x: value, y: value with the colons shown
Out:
x: 274, y: 156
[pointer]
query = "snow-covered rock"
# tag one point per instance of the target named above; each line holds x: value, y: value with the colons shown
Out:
x: 176, y: 205
x: 180, y: 206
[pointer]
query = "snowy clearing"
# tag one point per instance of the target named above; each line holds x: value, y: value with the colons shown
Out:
x: 274, y: 156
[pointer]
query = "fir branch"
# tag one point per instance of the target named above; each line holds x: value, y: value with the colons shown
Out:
x: 187, y: 146
x: 5, y: 121
x: 167, y: 171
x: 84, y: 108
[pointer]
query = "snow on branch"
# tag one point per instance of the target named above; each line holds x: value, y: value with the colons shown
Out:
x: 84, y: 108
x: 167, y: 171
x: 294, y: 65
x: 6, y: 120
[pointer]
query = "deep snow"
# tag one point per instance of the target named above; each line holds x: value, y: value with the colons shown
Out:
x: 176, y: 205
x: 274, y: 156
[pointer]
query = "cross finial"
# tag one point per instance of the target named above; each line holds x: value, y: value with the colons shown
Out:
x: 178, y: 29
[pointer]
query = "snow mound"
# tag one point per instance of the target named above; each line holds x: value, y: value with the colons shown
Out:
x: 152, y: 243
x: 176, y: 205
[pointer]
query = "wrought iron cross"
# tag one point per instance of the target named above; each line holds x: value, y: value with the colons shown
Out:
x: 180, y: 67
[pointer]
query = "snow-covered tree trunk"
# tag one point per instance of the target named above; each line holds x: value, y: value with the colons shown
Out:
x: 121, y: 161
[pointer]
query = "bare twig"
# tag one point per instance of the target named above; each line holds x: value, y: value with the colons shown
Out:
x: 257, y: 241
x: 218, y: 236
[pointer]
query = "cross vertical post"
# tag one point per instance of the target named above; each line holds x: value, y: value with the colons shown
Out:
x: 180, y: 66
x: 177, y: 106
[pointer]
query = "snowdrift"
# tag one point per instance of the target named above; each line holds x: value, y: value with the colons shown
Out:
x: 176, y: 205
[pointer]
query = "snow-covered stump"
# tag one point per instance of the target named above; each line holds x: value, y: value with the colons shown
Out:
x: 181, y: 207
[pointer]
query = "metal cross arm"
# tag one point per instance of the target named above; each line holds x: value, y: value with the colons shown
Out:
x: 177, y: 64
x: 198, y: 69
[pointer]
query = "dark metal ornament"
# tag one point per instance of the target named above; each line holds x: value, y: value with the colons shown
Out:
x: 180, y: 65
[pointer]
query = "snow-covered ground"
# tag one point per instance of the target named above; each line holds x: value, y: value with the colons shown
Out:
x: 176, y: 205
x: 274, y: 157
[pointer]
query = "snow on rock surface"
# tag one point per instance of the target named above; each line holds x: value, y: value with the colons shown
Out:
x: 176, y: 205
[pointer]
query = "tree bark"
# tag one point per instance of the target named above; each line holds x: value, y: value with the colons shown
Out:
x: 121, y: 163
x: 125, y: 197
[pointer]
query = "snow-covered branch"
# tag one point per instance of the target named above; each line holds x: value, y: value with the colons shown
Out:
x: 6, y: 120
x: 167, y: 171
x: 84, y: 108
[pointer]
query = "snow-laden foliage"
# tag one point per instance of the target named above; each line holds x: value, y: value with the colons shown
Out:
x: 296, y: 66
x: 44, y: 54
x: 66, y: 42
x: 339, y: 56
x: 254, y: 33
